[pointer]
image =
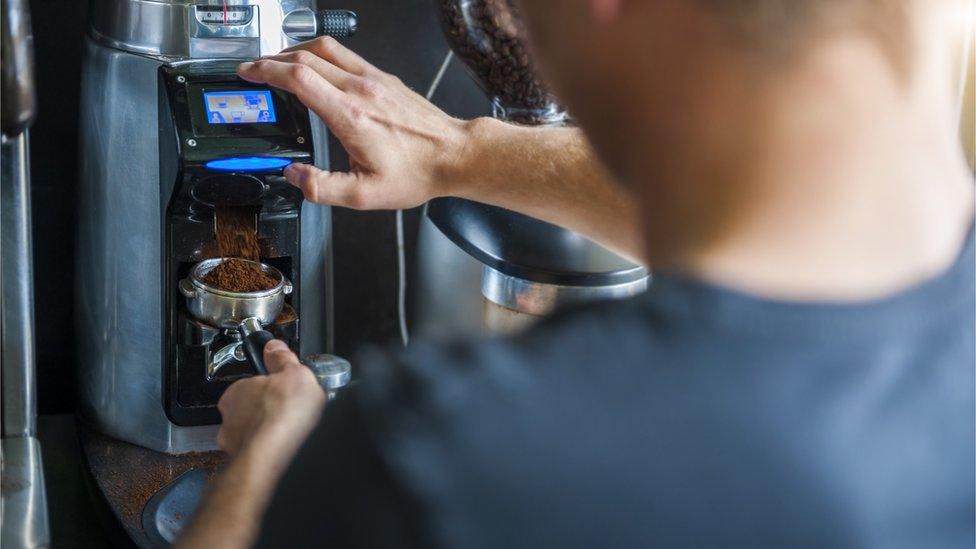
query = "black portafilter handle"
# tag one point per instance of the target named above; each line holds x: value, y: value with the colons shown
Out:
x: 306, y: 24
x: 254, y: 338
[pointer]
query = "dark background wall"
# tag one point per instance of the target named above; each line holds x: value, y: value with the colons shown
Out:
x: 399, y: 36
x: 54, y: 176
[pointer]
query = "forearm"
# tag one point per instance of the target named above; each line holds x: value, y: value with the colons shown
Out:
x: 265, y: 420
x: 550, y: 174
x: 230, y: 514
x: 404, y: 151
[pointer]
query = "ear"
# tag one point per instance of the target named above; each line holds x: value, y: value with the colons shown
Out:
x: 605, y: 11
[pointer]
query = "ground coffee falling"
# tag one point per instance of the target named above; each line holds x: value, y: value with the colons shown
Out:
x: 236, y: 232
x: 237, y: 237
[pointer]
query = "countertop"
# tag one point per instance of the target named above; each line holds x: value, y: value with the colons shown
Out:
x: 128, y: 475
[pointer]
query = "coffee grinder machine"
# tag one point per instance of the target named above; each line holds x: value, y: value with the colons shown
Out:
x: 223, y: 145
x: 169, y: 135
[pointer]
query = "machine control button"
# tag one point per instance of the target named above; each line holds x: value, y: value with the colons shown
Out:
x: 333, y: 372
x: 248, y: 164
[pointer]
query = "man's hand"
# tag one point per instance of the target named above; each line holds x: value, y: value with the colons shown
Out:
x: 265, y: 421
x: 403, y: 151
x: 274, y: 412
x: 400, y: 146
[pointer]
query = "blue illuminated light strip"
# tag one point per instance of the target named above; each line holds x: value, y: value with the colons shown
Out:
x: 247, y: 164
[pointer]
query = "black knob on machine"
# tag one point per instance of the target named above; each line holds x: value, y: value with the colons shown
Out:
x: 307, y: 24
x: 337, y: 23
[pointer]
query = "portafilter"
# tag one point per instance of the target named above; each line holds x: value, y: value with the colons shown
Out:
x: 247, y: 312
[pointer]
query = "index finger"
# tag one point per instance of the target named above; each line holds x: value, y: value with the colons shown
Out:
x: 314, y: 91
x: 277, y: 356
x: 331, y: 50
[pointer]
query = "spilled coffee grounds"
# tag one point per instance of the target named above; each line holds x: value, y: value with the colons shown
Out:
x: 235, y: 275
x: 237, y: 237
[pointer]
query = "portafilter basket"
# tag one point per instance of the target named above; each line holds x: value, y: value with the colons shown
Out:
x: 226, y: 309
x: 245, y: 311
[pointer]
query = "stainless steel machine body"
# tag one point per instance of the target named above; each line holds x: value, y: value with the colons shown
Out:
x: 23, y: 501
x: 197, y: 29
x: 120, y: 257
x: 24, y: 508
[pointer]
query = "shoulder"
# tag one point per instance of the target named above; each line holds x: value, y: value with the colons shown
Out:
x: 530, y: 429
x: 564, y: 347
x: 439, y: 405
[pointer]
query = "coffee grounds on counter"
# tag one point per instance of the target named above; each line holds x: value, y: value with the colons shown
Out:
x: 234, y: 275
x: 237, y: 237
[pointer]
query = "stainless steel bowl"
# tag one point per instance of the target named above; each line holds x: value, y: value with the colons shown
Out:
x: 227, y: 309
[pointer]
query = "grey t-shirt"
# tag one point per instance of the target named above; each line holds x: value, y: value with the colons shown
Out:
x: 693, y: 416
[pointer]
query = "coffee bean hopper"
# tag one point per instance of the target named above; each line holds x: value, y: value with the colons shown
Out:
x: 506, y: 270
x: 169, y: 135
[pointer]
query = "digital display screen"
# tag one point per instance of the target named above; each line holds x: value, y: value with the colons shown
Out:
x: 240, y: 107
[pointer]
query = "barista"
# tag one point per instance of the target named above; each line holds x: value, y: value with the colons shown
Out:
x: 799, y: 375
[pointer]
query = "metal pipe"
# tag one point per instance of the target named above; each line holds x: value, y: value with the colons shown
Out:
x: 19, y: 407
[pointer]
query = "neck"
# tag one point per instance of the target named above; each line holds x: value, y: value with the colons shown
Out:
x: 849, y: 183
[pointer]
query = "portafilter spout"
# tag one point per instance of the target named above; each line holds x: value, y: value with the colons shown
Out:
x: 231, y: 353
x: 250, y: 348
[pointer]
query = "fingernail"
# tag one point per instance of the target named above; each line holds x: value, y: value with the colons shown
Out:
x: 293, y: 174
x: 245, y: 66
x: 275, y: 345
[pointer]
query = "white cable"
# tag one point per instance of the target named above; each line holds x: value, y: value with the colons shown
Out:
x: 401, y: 280
x: 401, y: 247
x: 440, y: 74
